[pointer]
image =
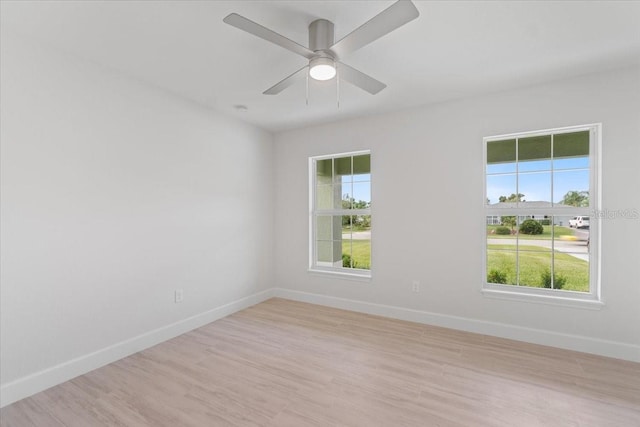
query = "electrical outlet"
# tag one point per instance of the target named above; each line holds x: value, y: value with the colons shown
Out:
x: 179, y: 295
x: 415, y: 286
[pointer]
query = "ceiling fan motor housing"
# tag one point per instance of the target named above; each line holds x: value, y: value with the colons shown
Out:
x: 320, y: 35
x: 322, y: 65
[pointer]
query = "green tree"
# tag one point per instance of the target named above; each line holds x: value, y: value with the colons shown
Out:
x: 355, y: 221
x: 350, y: 203
x: 579, y: 199
x: 509, y: 221
x: 512, y: 198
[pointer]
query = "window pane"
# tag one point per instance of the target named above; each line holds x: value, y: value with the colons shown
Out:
x: 571, y: 257
x: 571, y: 188
x: 535, y: 186
x: 501, y: 249
x: 324, y: 197
x: 571, y: 150
x: 362, y: 165
x: 346, y: 196
x: 329, y: 239
x: 501, y: 266
x: 533, y: 267
x: 501, y: 152
x: 361, y: 195
x: 571, y: 145
x: 534, y: 148
x: 325, y: 252
x: 534, y: 249
x: 501, y: 187
x: 324, y: 171
x: 324, y: 230
x: 343, y: 166
x: 356, y: 244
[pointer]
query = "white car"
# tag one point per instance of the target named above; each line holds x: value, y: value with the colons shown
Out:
x: 579, y: 222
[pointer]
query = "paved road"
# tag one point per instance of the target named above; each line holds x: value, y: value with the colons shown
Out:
x: 575, y: 248
x: 358, y: 235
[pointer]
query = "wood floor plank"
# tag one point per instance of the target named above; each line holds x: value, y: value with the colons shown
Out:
x: 285, y: 363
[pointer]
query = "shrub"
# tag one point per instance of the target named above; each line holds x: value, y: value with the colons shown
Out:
x: 531, y: 226
x: 558, y: 280
x: 502, y: 230
x: 346, y: 261
x: 545, y: 221
x: 509, y: 221
x: 496, y: 276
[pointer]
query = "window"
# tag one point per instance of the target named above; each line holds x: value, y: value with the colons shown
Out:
x: 540, y: 188
x: 340, y: 211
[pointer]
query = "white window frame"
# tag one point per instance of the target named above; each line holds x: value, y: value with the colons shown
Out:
x: 346, y: 273
x: 593, y: 298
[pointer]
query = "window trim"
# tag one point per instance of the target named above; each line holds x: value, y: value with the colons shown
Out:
x: 342, y: 273
x: 591, y: 300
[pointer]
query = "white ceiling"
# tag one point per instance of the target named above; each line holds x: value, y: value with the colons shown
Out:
x: 453, y: 50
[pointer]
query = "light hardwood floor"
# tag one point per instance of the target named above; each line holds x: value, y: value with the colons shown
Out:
x: 285, y: 363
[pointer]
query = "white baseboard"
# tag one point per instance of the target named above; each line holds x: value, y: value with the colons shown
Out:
x: 583, y: 344
x: 39, y: 381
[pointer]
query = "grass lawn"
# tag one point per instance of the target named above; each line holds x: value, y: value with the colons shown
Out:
x: 360, y: 251
x: 534, y: 260
x: 546, y: 233
x: 533, y: 264
x: 346, y: 229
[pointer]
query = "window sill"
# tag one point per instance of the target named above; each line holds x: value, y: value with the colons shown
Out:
x: 340, y: 275
x: 562, y: 301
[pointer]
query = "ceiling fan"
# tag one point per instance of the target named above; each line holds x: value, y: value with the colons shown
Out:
x: 323, y: 54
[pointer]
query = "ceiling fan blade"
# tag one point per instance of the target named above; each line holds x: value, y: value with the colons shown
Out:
x: 249, y: 26
x: 383, y: 23
x: 360, y: 79
x: 286, y: 82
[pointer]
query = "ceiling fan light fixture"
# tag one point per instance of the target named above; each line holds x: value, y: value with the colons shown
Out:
x: 323, y: 54
x: 322, y: 68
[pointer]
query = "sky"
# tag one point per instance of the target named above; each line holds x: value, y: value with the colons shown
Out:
x: 360, y: 188
x: 536, y: 179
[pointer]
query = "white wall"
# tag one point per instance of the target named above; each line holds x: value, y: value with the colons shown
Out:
x: 114, y: 194
x: 427, y: 177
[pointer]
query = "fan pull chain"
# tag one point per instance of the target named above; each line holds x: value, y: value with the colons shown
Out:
x: 307, y: 89
x: 338, y: 86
